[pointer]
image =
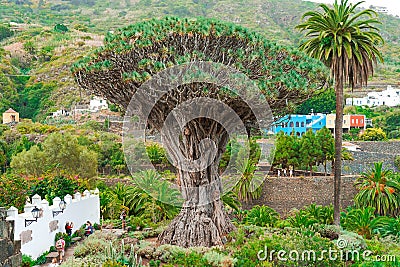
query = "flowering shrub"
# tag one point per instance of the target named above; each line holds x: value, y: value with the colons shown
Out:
x: 13, y: 191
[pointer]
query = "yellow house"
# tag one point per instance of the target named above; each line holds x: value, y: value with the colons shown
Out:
x: 10, y: 116
x: 349, y: 121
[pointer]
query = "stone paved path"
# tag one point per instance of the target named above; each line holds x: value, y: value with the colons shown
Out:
x: 69, y: 253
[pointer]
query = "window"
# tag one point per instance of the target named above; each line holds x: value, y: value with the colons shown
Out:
x: 291, y: 124
x: 344, y: 121
x: 352, y: 120
x: 356, y: 121
x: 302, y: 124
x: 297, y: 124
x: 12, y: 118
x: 361, y: 121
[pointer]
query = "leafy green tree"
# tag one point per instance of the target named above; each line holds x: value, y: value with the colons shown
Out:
x: 30, y: 47
x: 347, y: 42
x: 373, y: 134
x: 60, y: 152
x: 34, y: 98
x: 326, y: 143
x: 310, y: 150
x: 378, y: 189
x: 5, y: 32
x: 49, y: 187
x: 392, y: 122
x: 325, y: 102
x: 283, y: 149
x: 178, y: 41
x: 60, y: 28
x: 30, y: 162
x: 3, y: 156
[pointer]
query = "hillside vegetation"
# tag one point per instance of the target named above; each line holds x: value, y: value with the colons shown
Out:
x: 36, y: 51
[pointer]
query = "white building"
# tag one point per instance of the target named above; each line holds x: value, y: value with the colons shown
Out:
x: 60, y: 113
x: 37, y: 234
x: 389, y: 97
x: 380, y: 9
x: 97, y: 103
x: 351, y: 147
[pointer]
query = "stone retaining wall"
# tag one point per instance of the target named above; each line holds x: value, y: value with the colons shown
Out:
x: 284, y: 194
x: 10, y: 251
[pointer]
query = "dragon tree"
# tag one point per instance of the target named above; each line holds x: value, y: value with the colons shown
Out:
x: 131, y: 56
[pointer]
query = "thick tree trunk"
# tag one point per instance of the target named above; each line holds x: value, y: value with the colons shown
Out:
x: 338, y: 139
x: 202, y: 220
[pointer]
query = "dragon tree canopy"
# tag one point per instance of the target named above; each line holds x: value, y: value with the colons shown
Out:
x: 133, y: 54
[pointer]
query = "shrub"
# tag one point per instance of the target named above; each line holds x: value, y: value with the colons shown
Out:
x: 394, y: 134
x: 215, y: 258
x: 352, y: 241
x: 27, y: 261
x: 361, y: 221
x: 373, y: 134
x: 301, y: 219
x: 323, y: 215
x: 191, y: 259
x: 397, y: 162
x: 60, y: 28
x: 156, y: 153
x: 262, y: 216
x: 90, y: 246
x: 389, y: 227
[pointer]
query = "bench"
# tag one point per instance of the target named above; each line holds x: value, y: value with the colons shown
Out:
x: 51, y: 255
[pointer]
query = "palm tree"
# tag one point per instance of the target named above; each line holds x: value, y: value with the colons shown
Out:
x: 378, y: 189
x: 346, y: 41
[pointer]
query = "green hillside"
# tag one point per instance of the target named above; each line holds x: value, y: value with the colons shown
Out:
x: 35, y: 61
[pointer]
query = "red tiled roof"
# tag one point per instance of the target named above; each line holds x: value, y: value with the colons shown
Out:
x: 10, y: 110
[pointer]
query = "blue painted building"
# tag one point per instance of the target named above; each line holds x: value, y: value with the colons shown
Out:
x: 299, y: 123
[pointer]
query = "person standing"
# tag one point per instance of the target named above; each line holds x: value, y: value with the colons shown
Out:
x: 88, y: 229
x: 123, y: 218
x: 68, y: 228
x: 60, y: 246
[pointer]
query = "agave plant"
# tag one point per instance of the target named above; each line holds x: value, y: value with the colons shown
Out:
x: 379, y: 189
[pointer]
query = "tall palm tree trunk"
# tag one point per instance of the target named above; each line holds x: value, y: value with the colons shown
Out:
x: 338, y: 70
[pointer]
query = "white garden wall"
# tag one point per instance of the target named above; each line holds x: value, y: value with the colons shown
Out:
x: 38, y: 237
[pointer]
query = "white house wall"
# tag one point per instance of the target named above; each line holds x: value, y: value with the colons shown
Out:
x: 39, y: 236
